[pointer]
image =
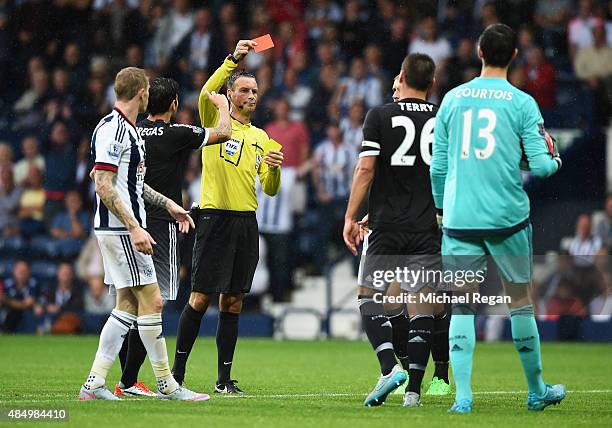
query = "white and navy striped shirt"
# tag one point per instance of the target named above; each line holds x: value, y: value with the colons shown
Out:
x: 116, y: 146
x: 275, y: 213
x: 337, y: 164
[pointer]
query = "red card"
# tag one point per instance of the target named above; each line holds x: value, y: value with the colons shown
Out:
x: 263, y: 43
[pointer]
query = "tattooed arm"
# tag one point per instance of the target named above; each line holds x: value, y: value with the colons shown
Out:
x: 175, y: 210
x: 105, y: 188
x: 153, y: 197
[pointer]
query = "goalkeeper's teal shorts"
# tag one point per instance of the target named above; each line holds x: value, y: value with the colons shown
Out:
x: 512, y: 254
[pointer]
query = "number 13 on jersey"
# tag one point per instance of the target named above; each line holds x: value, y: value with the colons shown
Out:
x: 486, y: 133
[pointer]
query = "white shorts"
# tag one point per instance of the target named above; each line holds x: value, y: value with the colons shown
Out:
x: 124, y: 266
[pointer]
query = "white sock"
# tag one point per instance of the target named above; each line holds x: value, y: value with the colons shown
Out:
x: 150, y: 329
x: 111, y: 339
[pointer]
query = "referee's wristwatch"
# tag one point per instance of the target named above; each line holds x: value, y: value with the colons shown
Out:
x: 233, y: 59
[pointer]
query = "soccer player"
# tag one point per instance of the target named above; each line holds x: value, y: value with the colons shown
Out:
x: 483, y: 129
x: 168, y: 147
x: 226, y: 250
x: 402, y: 220
x: 126, y: 247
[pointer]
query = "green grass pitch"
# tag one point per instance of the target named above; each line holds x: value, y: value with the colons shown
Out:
x: 318, y: 384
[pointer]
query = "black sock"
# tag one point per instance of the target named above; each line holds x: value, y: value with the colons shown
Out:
x: 227, y: 335
x: 135, y: 357
x: 439, y: 346
x: 379, y: 332
x: 419, y: 344
x: 189, y: 327
x: 123, y: 351
x: 401, y: 326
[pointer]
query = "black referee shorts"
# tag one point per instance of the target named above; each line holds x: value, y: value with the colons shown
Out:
x: 388, y: 251
x: 166, y: 255
x: 226, y: 252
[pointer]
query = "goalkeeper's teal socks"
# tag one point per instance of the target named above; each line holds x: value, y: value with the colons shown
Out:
x: 461, y: 341
x: 527, y: 342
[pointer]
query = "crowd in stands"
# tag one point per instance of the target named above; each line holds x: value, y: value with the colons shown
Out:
x: 332, y: 61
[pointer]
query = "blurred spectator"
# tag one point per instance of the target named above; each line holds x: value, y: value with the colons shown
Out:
x: 291, y: 134
x: 353, y: 29
x: 323, y: 95
x: 540, y: 79
x: 173, y: 27
x: 551, y: 16
x: 585, y: 245
x: 603, y: 229
x: 396, y: 42
x: 332, y: 174
x: 76, y: 67
x: 438, y: 48
x: 10, y: 196
x: 297, y: 95
x: 19, y: 297
x: 318, y: 14
x: 31, y: 157
x: 61, y: 178
x: 580, y: 28
x: 30, y: 104
x: 428, y: 41
x: 359, y: 86
x: 71, y: 226
x: 199, y: 49
x: 32, y: 204
x: 64, y: 295
x: 275, y: 220
x: 352, y: 126
x: 95, y: 104
x: 372, y: 56
x: 526, y: 42
x: 593, y: 65
x: 97, y: 301
x: 462, y: 67
x: 84, y: 184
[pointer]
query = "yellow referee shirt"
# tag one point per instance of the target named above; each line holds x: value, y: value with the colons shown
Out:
x: 229, y: 169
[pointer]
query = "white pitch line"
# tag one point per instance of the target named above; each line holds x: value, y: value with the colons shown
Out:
x: 314, y: 395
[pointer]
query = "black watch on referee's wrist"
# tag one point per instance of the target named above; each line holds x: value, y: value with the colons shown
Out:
x: 233, y: 59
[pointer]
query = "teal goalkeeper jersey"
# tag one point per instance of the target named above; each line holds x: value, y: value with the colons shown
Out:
x: 482, y: 129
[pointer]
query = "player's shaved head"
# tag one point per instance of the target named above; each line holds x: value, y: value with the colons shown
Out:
x: 418, y: 71
x: 497, y: 45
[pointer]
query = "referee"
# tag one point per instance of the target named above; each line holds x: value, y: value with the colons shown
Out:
x: 226, y: 249
x: 168, y: 147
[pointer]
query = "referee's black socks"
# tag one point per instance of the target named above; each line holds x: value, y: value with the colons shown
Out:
x: 189, y: 327
x: 378, y: 329
x: 227, y: 335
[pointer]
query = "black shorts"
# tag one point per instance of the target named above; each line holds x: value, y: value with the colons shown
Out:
x: 166, y: 255
x: 226, y: 252
x: 385, y: 251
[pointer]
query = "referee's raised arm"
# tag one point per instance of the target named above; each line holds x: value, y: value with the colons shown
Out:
x: 208, y: 112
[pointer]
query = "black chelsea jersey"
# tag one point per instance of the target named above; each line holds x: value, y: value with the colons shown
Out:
x: 168, y: 147
x: 400, y: 135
